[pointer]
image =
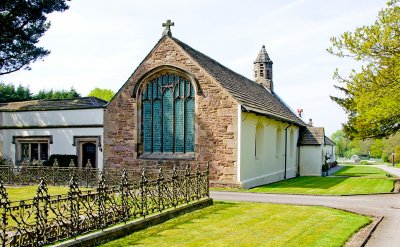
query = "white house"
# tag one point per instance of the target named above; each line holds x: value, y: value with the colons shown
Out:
x: 314, y: 148
x: 36, y: 129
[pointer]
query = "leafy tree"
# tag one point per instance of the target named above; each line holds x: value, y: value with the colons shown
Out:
x: 376, y: 149
x: 8, y: 93
x: 61, y: 94
x: 341, y: 141
x: 372, y: 95
x: 104, y: 94
x: 23, y: 22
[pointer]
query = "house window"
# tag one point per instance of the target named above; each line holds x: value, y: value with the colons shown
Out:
x: 168, y: 115
x: 32, y: 147
x: 33, y: 150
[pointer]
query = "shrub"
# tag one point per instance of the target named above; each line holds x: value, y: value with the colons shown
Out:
x: 385, y: 157
x: 62, y: 159
x: 3, y: 162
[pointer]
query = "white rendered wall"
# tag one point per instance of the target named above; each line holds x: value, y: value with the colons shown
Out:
x: 265, y: 166
x: 311, y: 160
x: 45, y: 118
x: 330, y: 150
x: 62, y: 137
x: 62, y: 140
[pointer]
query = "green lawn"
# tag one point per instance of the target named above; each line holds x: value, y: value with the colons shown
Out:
x: 28, y: 192
x: 251, y: 224
x: 355, y: 179
x: 361, y: 171
x: 328, y: 186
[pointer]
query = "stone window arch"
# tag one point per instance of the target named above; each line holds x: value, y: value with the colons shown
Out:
x: 167, y: 116
x: 292, y: 143
x: 279, y: 143
x: 259, y: 141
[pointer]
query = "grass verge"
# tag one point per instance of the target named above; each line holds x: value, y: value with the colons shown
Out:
x: 324, y: 186
x: 251, y: 224
x: 361, y: 171
x: 350, y: 180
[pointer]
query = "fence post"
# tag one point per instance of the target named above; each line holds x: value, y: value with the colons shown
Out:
x: 174, y: 187
x: 160, y: 184
x: 74, y: 196
x: 10, y: 165
x: 143, y: 192
x: 87, y: 167
x: 124, y: 187
x: 40, y: 203
x: 198, y: 181
x: 187, y: 183
x: 101, y: 201
x: 54, y: 168
x: 10, y: 174
x: 4, y: 205
x: 208, y: 179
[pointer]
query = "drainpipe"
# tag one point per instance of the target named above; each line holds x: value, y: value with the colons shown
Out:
x: 298, y: 160
x: 284, y: 176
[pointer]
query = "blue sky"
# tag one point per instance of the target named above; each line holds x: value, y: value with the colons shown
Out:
x: 98, y: 43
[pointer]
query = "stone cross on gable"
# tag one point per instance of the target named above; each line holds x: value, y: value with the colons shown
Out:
x: 167, y: 30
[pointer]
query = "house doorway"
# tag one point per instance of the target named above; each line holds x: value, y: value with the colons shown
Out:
x: 87, y: 147
x: 89, y: 153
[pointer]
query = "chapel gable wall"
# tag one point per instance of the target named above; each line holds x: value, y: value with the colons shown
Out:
x: 216, y: 128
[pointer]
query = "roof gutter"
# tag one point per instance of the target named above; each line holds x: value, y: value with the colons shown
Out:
x: 252, y: 110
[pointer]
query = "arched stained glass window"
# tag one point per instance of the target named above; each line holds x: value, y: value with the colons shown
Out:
x: 168, y: 115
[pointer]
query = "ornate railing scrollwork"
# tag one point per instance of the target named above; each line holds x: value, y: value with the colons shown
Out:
x: 46, y: 218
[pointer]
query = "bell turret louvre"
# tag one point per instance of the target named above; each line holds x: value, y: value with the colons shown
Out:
x: 263, y: 69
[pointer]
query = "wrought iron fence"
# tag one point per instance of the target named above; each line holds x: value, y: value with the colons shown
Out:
x: 29, y: 173
x: 48, y: 218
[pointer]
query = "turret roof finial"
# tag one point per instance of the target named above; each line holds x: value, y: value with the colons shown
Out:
x: 263, y: 56
x: 167, y: 30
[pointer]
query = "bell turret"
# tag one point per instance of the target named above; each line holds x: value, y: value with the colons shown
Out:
x: 263, y: 69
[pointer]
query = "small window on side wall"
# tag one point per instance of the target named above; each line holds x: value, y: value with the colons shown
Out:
x: 32, y: 147
x: 259, y: 141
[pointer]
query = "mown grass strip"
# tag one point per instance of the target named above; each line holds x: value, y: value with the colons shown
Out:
x: 251, y: 224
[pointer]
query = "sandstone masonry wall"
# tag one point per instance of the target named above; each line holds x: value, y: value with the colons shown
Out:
x: 216, y: 120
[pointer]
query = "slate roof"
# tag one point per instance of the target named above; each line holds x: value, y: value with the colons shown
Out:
x: 46, y: 105
x: 312, y: 136
x: 329, y: 141
x: 252, y: 96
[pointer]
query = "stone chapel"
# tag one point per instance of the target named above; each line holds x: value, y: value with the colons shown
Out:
x: 181, y: 106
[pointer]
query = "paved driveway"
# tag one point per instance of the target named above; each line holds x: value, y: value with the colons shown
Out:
x: 390, y: 169
x: 388, y: 205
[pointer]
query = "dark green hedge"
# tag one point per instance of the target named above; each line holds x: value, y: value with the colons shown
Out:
x: 63, y: 160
